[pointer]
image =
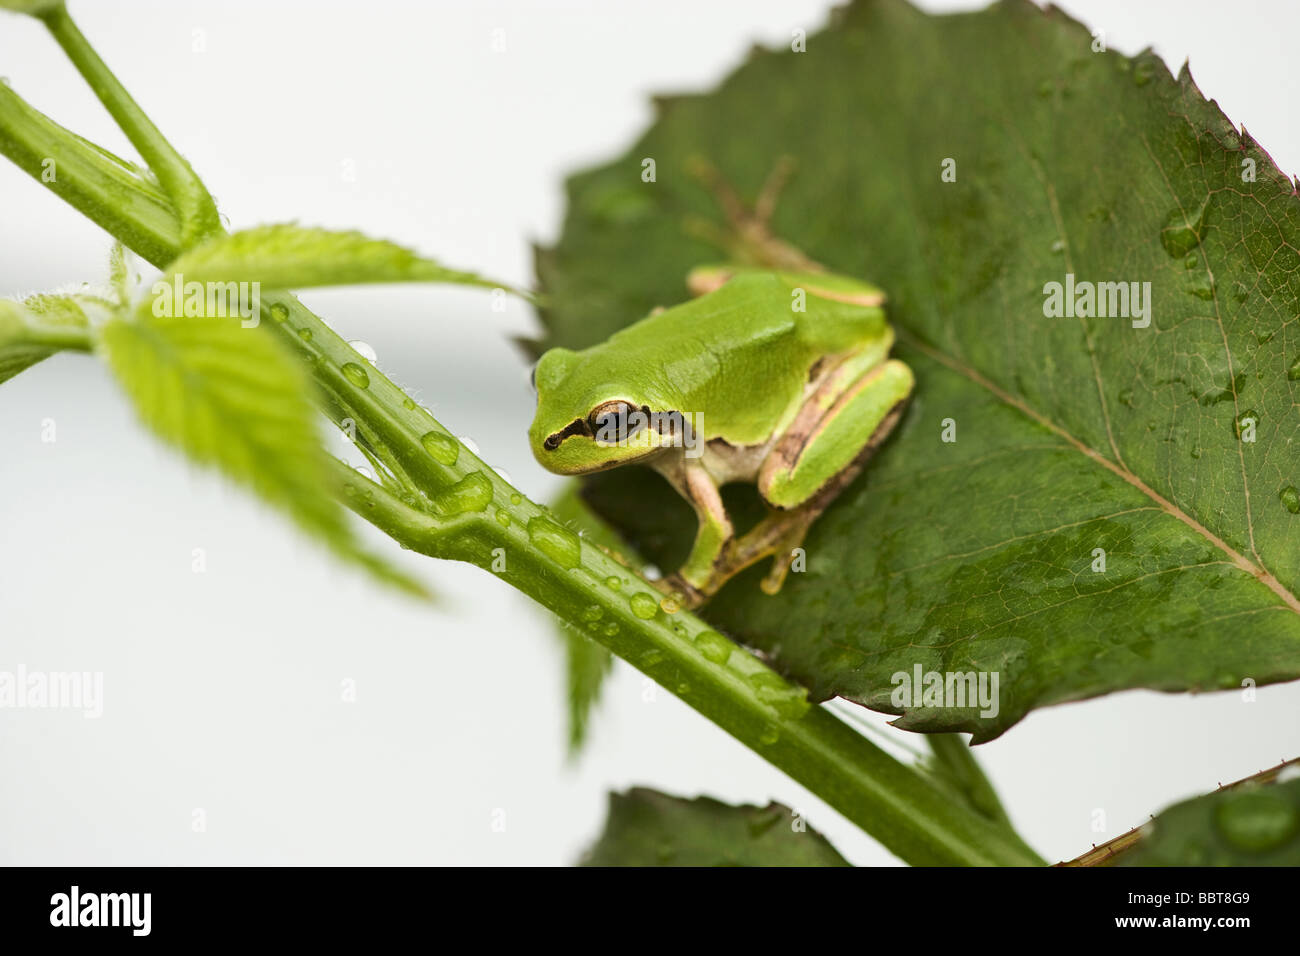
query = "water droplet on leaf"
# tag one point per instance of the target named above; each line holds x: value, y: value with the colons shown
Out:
x: 441, y: 446
x: 713, y: 646
x: 1184, y: 229
x: 364, y: 350
x: 644, y: 605
x: 355, y: 374
x: 1203, y: 287
x: 1256, y: 820
x: 555, y: 541
x: 788, y: 700
x: 471, y: 493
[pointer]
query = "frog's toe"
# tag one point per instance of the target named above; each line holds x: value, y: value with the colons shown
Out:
x: 682, y: 591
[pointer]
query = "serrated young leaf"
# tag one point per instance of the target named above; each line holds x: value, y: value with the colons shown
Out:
x: 288, y: 256
x: 232, y: 398
x: 1097, y: 516
x: 649, y: 828
x: 41, y: 325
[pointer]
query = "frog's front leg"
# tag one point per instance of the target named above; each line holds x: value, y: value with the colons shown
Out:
x: 695, y: 578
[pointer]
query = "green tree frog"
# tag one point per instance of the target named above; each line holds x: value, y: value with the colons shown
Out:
x: 781, y: 379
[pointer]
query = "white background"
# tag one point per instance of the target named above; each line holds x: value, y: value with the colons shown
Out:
x: 223, y: 688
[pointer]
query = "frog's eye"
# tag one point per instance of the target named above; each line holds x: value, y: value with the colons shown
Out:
x: 532, y: 376
x: 615, y: 421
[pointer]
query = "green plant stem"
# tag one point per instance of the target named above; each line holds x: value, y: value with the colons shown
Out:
x: 475, y: 516
x: 198, y: 212
x: 734, y: 689
x: 106, y: 189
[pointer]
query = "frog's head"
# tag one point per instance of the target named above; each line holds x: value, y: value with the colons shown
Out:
x: 586, y: 424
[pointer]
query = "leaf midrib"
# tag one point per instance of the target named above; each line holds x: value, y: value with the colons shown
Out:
x: 1255, y: 570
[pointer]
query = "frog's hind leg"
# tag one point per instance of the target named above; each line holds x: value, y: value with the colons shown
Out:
x: 826, y: 447
x: 833, y: 434
x: 749, y: 240
x: 776, y: 536
x: 829, y: 443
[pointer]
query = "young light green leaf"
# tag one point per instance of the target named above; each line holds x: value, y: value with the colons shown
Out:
x: 232, y: 398
x: 649, y: 828
x: 289, y: 256
x: 1073, y: 503
x: 41, y: 325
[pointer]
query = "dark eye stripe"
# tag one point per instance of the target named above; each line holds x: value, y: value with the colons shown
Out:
x: 576, y: 427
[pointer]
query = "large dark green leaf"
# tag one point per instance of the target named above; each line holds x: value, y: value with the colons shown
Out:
x: 1255, y: 825
x: 649, y: 828
x: 1073, y: 434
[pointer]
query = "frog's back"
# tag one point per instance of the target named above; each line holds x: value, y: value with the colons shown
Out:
x: 742, y: 354
x: 738, y: 354
x: 750, y: 310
